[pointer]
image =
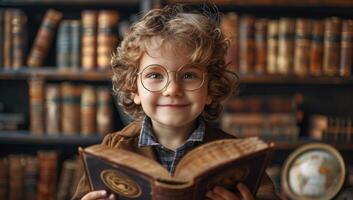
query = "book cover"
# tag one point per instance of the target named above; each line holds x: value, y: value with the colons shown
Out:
x: 132, y: 176
x: 89, y: 39
x: 272, y: 46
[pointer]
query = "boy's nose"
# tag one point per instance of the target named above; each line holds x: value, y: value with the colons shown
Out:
x: 173, y: 88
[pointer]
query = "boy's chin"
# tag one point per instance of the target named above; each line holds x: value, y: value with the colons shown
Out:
x: 174, y: 122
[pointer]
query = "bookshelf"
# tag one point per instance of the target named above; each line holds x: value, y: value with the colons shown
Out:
x: 323, y: 94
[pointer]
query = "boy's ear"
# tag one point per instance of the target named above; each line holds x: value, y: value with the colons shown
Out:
x: 137, y: 99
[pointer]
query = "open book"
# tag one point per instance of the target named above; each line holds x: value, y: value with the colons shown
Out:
x: 132, y: 176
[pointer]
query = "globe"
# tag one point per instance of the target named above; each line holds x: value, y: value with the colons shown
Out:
x: 314, y: 173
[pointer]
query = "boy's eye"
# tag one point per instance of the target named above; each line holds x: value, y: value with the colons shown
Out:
x: 154, y: 75
x: 189, y: 75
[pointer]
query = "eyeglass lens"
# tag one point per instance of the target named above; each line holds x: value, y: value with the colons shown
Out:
x: 156, y: 77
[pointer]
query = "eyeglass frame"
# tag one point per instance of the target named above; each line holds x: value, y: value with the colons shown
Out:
x: 204, y: 74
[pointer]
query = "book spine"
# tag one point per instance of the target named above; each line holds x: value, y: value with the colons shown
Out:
x: 31, y: 177
x: 246, y: 45
x: 4, y: 177
x: 229, y: 26
x: 75, y: 47
x: 89, y: 39
x: 53, y: 109
x: 316, y: 48
x: 63, y: 45
x: 44, y: 38
x: 272, y: 46
x: 106, y: 37
x: 36, y: 97
x: 286, y: 29
x: 70, y: 108
x: 48, y: 165
x: 7, y: 39
x: 19, y: 27
x: 331, y: 46
x: 66, y: 178
x: 16, y: 174
x: 260, y: 46
x: 346, y: 48
x: 104, y: 111
x: 88, y: 110
x: 302, y: 47
x: 2, y: 26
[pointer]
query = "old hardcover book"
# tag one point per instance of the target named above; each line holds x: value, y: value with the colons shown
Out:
x: 70, y: 118
x: 132, y: 176
x: 44, y: 38
x: 107, y: 37
x: 7, y: 48
x: 52, y: 109
x: 246, y: 44
x: 316, y: 48
x: 88, y: 110
x: 286, y: 29
x: 229, y: 26
x: 302, y: 47
x: 19, y: 40
x: 272, y: 46
x: 89, y: 39
x: 346, y: 56
x: 36, y: 103
x: 332, y: 40
x: 260, y: 46
x: 104, y: 116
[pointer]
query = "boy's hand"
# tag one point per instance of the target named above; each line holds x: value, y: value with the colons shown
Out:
x: 98, y: 195
x: 220, y: 193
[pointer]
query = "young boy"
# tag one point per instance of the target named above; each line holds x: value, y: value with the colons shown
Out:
x: 170, y: 75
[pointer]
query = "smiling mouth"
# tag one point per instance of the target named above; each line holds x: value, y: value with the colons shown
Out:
x: 174, y: 105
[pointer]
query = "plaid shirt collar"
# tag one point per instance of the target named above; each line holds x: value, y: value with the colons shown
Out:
x: 148, y: 139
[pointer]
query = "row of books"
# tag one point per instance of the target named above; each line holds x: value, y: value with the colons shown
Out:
x: 269, y: 117
x: 289, y: 46
x: 69, y: 109
x: 331, y: 128
x: 87, y: 42
x: 38, y: 177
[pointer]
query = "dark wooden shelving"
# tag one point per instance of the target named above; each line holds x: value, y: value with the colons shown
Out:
x: 51, y: 73
x: 25, y: 137
x: 69, y: 2
x: 291, y: 145
x: 299, y: 3
x: 280, y: 79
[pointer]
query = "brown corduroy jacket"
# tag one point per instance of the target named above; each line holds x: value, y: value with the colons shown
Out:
x: 128, y: 139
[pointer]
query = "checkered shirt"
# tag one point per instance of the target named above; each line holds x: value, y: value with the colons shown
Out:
x: 168, y: 158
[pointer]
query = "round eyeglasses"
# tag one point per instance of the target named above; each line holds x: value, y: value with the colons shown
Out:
x: 155, y: 78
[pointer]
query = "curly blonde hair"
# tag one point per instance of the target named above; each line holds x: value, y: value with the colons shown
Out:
x: 198, y: 32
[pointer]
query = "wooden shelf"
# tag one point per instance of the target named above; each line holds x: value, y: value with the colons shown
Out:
x: 51, y: 73
x: 25, y: 137
x: 291, y: 145
x: 297, y: 3
x: 280, y: 79
x: 70, y: 2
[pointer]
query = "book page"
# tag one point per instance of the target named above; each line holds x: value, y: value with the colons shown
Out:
x: 214, y: 154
